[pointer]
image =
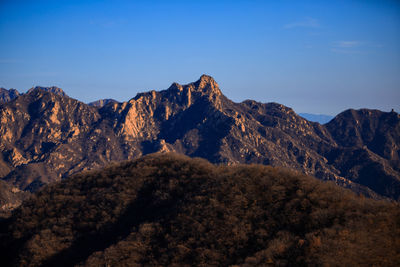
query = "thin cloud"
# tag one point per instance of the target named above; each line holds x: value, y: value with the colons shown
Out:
x: 348, y: 44
x: 348, y: 47
x: 308, y: 22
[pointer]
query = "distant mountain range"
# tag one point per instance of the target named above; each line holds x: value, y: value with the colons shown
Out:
x: 102, y: 102
x: 46, y: 136
x: 320, y: 118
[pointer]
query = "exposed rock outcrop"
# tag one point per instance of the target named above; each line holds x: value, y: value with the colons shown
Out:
x: 10, y: 198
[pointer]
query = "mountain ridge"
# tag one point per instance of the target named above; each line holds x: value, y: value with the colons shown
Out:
x: 46, y: 137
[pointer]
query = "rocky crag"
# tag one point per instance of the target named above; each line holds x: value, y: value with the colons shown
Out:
x: 46, y: 136
x: 8, y: 95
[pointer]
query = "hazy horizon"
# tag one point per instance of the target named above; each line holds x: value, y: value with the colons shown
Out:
x: 314, y: 56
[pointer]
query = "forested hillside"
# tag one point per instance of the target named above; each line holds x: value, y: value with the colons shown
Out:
x: 170, y: 210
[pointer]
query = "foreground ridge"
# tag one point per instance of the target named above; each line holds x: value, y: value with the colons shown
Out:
x: 168, y: 209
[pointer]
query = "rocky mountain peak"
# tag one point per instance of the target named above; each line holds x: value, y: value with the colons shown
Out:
x: 207, y: 84
x: 52, y: 89
x: 8, y: 95
x: 175, y: 87
x: 204, y: 88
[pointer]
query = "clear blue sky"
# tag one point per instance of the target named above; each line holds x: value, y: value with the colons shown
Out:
x: 314, y: 56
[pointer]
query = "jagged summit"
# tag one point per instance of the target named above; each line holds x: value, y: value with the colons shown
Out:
x: 207, y: 84
x: 8, y: 95
x: 204, y: 85
x: 175, y: 87
x: 206, y: 80
x: 52, y: 89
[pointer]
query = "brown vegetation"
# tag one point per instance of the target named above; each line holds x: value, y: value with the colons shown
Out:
x: 170, y: 210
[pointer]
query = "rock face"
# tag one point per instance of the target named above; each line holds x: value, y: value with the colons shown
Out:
x: 8, y: 95
x: 47, y: 136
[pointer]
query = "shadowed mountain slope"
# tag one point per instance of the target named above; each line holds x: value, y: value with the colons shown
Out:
x: 45, y: 137
x: 170, y: 210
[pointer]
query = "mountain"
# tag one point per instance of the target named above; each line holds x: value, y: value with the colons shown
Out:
x: 371, y: 137
x: 8, y: 95
x: 170, y: 210
x: 47, y: 136
x: 102, y: 102
x: 320, y: 118
x: 52, y: 89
